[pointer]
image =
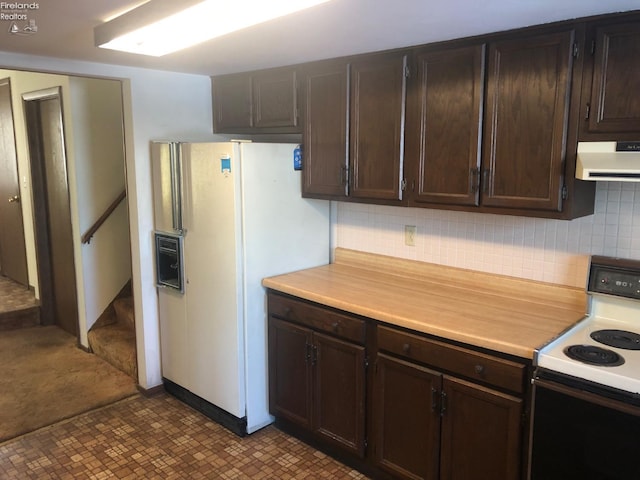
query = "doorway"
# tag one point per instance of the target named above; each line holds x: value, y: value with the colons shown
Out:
x: 13, y: 256
x: 51, y: 206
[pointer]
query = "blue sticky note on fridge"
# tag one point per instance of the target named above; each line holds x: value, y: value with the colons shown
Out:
x: 225, y: 164
x: 297, y: 158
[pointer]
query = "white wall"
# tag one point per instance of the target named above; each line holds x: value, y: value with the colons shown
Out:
x: 156, y: 105
x: 97, y: 142
x: 555, y: 251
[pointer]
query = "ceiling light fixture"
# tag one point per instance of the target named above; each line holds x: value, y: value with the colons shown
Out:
x: 160, y: 27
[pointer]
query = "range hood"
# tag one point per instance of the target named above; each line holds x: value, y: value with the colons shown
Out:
x: 608, y: 161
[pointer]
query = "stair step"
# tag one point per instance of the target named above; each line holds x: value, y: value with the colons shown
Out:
x: 116, y: 344
x: 22, y: 318
x: 124, y: 310
x: 113, y: 336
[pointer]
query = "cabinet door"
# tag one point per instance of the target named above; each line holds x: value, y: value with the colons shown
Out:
x: 275, y: 98
x: 526, y: 124
x: 406, y: 419
x: 448, y: 100
x: 378, y: 90
x: 339, y: 392
x: 481, y: 433
x: 616, y: 74
x: 232, y: 104
x: 290, y: 386
x: 326, y: 108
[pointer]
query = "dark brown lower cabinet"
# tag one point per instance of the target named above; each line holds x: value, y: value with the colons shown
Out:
x: 432, y: 426
x: 317, y: 382
x: 481, y: 433
x: 432, y: 410
x: 407, y: 419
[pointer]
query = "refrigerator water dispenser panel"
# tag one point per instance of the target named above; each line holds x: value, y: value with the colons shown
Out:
x: 169, y: 261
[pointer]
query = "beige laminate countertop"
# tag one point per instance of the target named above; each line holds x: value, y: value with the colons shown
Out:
x: 503, y: 314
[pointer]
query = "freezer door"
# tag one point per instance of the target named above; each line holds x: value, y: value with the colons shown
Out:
x: 166, y: 170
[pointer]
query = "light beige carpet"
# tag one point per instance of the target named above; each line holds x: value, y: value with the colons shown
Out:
x: 45, y: 377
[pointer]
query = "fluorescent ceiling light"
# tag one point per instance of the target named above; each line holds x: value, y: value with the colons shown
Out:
x: 154, y: 29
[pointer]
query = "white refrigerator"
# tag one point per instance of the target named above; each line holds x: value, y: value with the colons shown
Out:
x: 238, y: 212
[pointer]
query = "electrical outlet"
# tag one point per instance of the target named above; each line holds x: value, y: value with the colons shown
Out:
x: 410, y: 235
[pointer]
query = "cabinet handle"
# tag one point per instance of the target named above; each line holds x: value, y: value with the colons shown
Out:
x: 434, y: 399
x: 479, y: 369
x: 314, y: 358
x: 474, y: 180
x: 587, y: 111
x: 485, y: 180
x: 344, y: 175
x: 287, y: 312
x: 334, y: 327
x: 406, y: 348
x: 307, y: 356
x: 443, y: 403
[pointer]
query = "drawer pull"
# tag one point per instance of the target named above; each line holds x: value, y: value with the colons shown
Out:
x: 334, y: 326
x: 287, y: 312
x: 479, y: 369
x: 406, y: 348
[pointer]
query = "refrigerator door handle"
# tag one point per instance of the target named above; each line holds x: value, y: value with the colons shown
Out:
x: 176, y: 186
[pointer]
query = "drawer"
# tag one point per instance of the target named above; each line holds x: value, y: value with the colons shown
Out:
x: 317, y: 317
x: 451, y: 358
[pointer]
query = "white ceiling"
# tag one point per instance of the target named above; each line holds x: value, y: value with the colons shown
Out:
x: 337, y: 28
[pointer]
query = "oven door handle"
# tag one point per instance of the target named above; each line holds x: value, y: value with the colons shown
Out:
x: 587, y: 396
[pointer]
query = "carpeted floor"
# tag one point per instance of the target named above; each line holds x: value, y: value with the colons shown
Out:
x: 45, y: 378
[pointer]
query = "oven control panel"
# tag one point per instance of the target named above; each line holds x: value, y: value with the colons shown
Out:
x: 615, y: 276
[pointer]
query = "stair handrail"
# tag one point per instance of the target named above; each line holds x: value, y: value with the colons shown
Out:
x: 86, y: 238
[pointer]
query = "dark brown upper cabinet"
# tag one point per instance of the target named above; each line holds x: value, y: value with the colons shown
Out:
x: 525, y: 124
x: 611, y: 106
x: 232, y: 103
x: 377, y: 119
x: 326, y: 130
x: 353, y: 136
x: 493, y: 127
x: 265, y: 101
x: 444, y: 140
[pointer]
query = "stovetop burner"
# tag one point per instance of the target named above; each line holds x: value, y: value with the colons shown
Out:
x: 617, y: 338
x: 594, y: 355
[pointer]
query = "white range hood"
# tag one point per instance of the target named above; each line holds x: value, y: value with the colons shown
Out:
x: 608, y: 161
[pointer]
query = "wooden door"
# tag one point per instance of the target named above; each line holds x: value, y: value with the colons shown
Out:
x: 13, y: 255
x: 325, y: 135
x: 616, y: 73
x: 481, y: 433
x: 54, y: 236
x: 406, y: 419
x: 378, y: 92
x: 290, y: 385
x: 339, y: 413
x: 445, y: 134
x: 528, y: 87
x: 232, y: 102
x: 275, y: 98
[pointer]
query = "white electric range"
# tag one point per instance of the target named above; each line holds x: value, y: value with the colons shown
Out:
x: 604, y: 347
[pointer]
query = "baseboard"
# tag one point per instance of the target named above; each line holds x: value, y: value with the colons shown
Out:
x: 215, y: 413
x: 150, y: 392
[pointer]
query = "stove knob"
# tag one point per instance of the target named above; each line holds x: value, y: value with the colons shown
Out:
x: 605, y: 280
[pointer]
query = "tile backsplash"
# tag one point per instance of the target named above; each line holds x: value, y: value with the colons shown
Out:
x: 555, y: 251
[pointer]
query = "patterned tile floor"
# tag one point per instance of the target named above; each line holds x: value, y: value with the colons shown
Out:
x: 160, y: 438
